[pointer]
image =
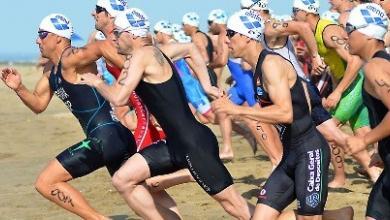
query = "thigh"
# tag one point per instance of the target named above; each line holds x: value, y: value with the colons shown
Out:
x: 82, y: 158
x: 311, y: 176
x: 350, y: 102
x: 117, y: 147
x: 207, y: 169
x: 234, y: 96
x: 378, y: 206
x: 319, y: 113
x: 360, y: 118
x: 159, y: 159
x: 279, y: 190
x: 54, y: 172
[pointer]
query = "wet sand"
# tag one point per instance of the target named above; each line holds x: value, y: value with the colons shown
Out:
x: 29, y: 141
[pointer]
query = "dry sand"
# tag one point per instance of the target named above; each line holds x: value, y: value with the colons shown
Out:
x: 29, y: 141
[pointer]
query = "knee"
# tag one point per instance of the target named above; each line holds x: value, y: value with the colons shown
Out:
x: 122, y: 182
x: 41, y: 183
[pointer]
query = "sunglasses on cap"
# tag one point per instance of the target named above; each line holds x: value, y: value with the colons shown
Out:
x: 230, y: 33
x: 117, y: 32
x: 295, y: 10
x: 42, y: 34
x: 349, y: 28
x: 99, y: 9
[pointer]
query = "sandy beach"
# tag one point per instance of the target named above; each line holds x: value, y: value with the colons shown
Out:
x: 29, y: 141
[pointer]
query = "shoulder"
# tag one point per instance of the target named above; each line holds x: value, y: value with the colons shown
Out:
x: 374, y: 67
x: 334, y: 30
x: 273, y: 64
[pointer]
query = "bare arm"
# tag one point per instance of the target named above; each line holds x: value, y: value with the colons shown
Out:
x: 334, y: 37
x: 294, y: 28
x: 199, y: 41
x: 222, y: 52
x: 39, y: 99
x: 277, y: 84
x: 120, y: 92
x: 380, y: 82
x: 197, y: 63
x: 83, y: 56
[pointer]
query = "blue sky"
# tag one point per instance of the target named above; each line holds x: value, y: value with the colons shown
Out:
x: 19, y: 20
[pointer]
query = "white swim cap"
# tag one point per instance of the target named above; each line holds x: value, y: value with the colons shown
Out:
x: 311, y: 6
x: 248, y: 23
x: 191, y: 18
x: 176, y: 28
x: 282, y: 18
x: 113, y: 7
x: 60, y: 25
x: 254, y: 4
x: 218, y: 16
x: 133, y: 20
x: 369, y: 19
x: 99, y: 35
x: 331, y: 16
x: 181, y: 37
x: 164, y: 27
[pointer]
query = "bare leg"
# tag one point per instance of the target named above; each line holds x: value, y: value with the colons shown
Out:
x: 364, y: 157
x: 218, y: 73
x: 233, y: 203
x: 268, y: 138
x: 158, y: 183
x: 335, y: 138
x: 244, y: 131
x: 226, y: 131
x: 52, y: 184
x: 264, y: 212
x: 126, y: 180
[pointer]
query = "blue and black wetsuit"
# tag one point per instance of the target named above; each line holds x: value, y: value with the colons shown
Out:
x: 378, y: 206
x: 190, y: 144
x: 242, y: 91
x: 192, y: 87
x: 303, y: 171
x: 108, y: 142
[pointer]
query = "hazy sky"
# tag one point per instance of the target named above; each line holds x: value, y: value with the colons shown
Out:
x: 19, y: 20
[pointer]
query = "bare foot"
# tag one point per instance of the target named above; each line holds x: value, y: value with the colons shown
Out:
x: 374, y: 173
x: 226, y: 156
x: 336, y: 183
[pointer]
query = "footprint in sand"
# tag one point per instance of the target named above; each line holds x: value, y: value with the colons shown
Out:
x: 5, y: 156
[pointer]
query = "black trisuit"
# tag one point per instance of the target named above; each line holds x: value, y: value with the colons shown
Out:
x: 108, y: 142
x: 210, y: 50
x: 378, y: 206
x: 190, y: 144
x: 303, y: 171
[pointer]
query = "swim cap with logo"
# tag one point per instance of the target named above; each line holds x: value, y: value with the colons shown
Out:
x: 311, y: 6
x: 331, y: 16
x: 254, y: 4
x: 369, y: 19
x: 191, y: 18
x: 218, y: 16
x: 99, y: 35
x: 283, y: 18
x: 248, y: 23
x: 60, y: 25
x: 181, y: 37
x: 133, y: 20
x: 176, y: 28
x: 113, y: 7
x: 164, y: 27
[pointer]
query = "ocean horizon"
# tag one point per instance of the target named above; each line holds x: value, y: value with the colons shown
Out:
x: 19, y: 57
